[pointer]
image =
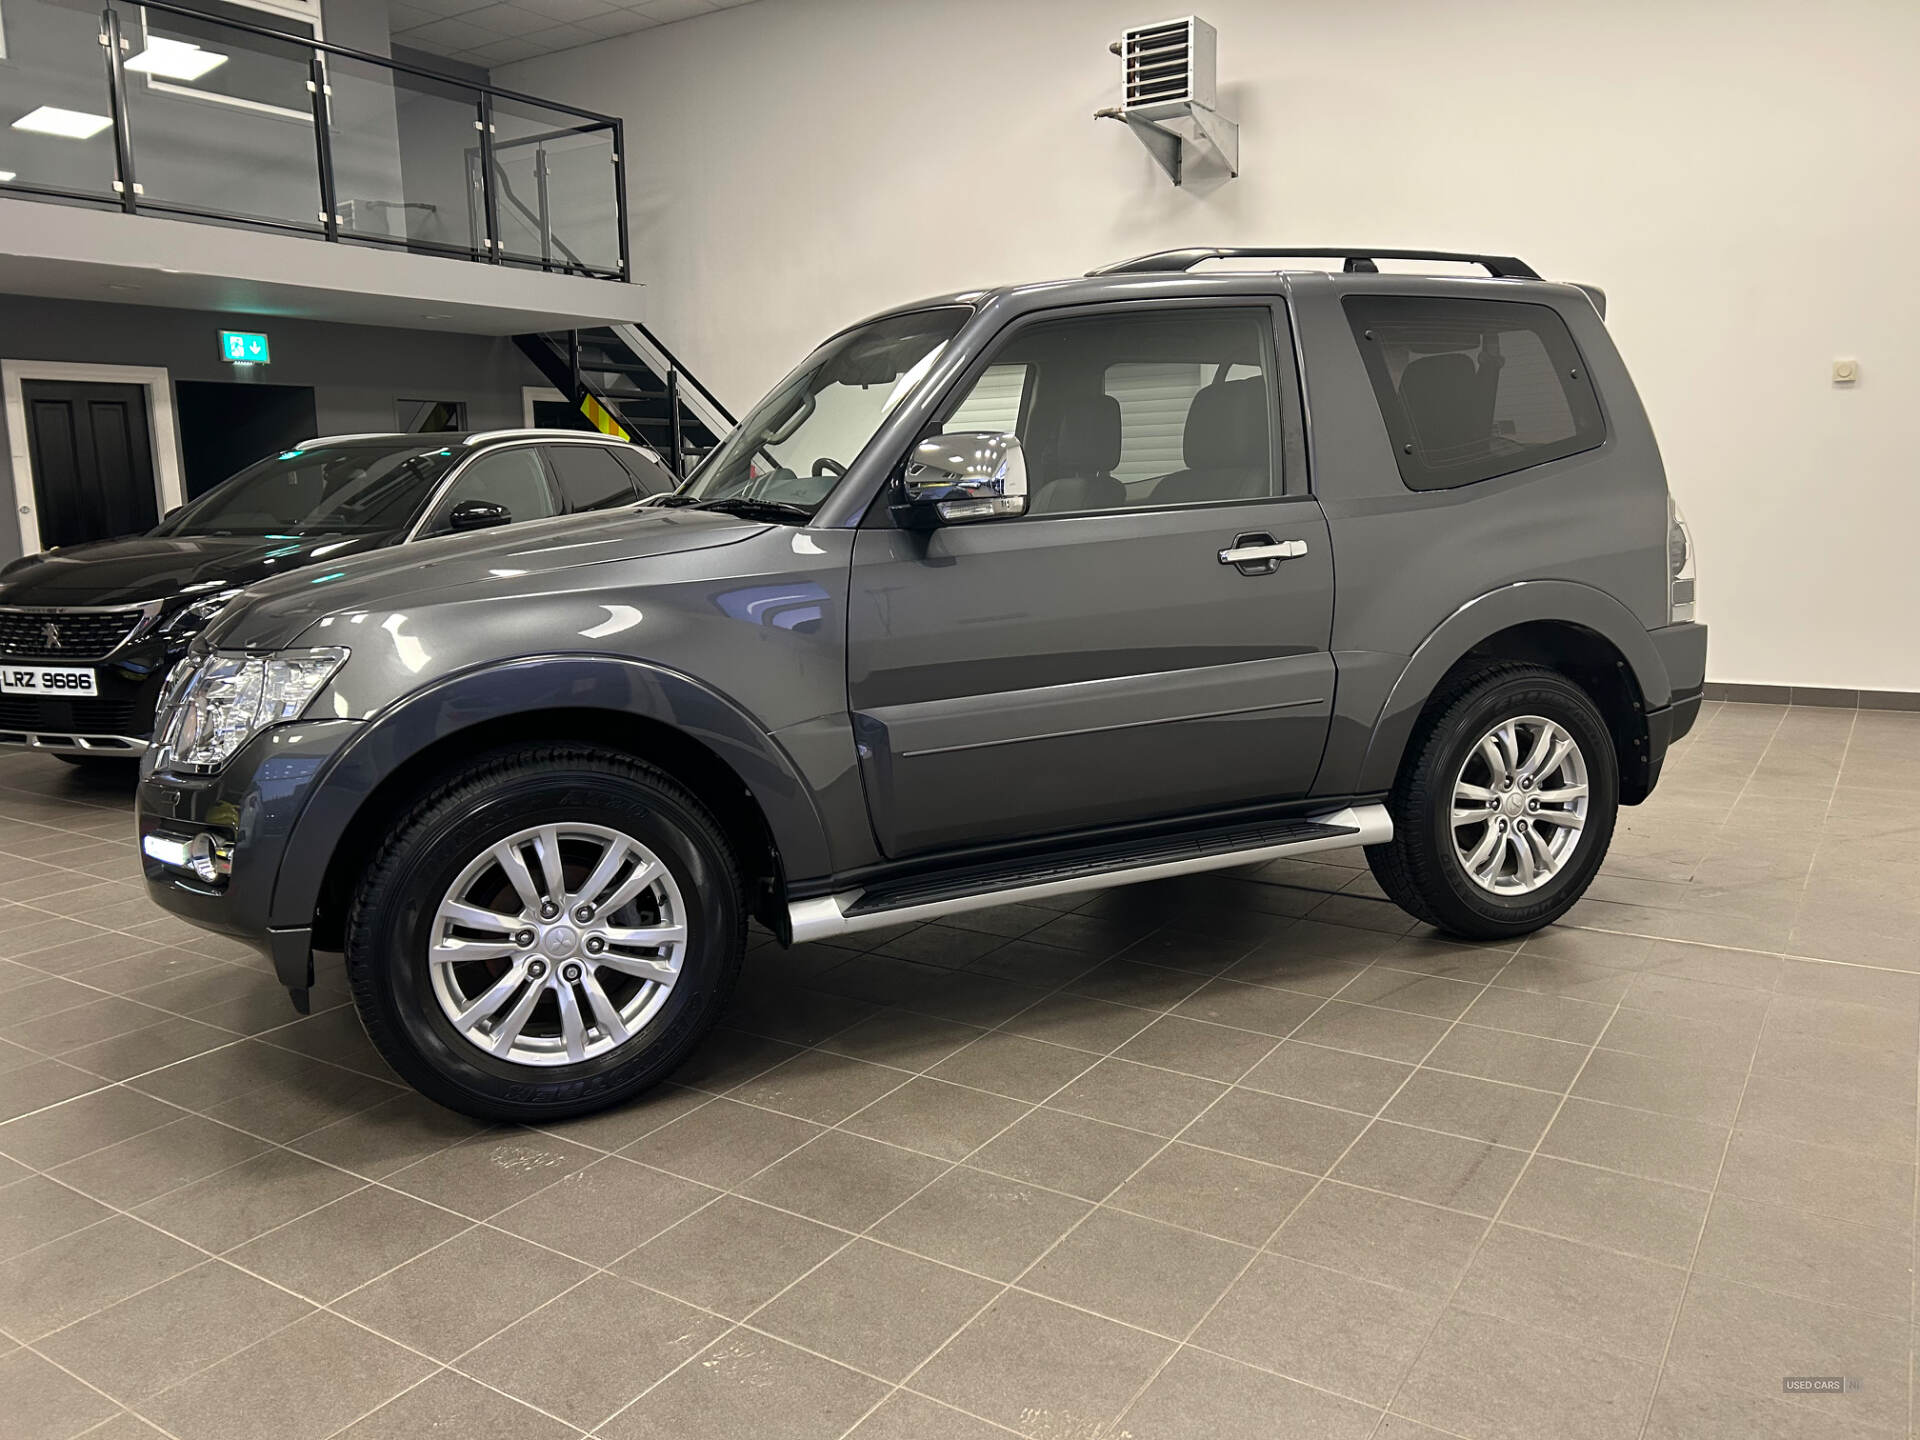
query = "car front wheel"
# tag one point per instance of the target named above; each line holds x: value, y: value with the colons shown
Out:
x: 1504, y: 808
x: 545, y: 934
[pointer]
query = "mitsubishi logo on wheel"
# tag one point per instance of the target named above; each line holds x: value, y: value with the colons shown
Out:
x: 53, y: 636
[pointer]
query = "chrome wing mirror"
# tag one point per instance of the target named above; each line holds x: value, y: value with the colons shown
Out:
x: 960, y: 477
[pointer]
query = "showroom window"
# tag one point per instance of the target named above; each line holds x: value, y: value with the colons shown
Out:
x: 1137, y: 410
x: 1472, y: 389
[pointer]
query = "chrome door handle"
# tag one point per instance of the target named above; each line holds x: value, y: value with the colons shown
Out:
x: 1275, y: 550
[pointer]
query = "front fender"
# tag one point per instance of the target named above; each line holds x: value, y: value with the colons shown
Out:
x: 516, y: 688
x: 1480, y: 619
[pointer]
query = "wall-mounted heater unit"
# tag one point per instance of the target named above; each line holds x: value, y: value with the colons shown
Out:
x: 1167, y: 74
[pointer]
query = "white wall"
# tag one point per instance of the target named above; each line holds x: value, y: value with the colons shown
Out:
x: 1743, y: 179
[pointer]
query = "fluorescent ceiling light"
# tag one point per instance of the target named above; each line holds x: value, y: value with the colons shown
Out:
x: 175, y: 59
x: 68, y: 124
x: 5, y: 176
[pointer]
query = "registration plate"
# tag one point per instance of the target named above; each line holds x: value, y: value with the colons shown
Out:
x: 71, y: 681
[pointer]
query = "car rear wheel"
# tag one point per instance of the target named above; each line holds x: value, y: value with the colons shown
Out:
x: 1505, y: 806
x: 547, y: 933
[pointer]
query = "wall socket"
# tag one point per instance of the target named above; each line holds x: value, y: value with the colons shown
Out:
x: 1845, y: 372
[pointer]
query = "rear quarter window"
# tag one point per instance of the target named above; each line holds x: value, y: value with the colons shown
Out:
x: 1474, y: 389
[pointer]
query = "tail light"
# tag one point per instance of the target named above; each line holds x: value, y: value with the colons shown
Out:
x: 1680, y: 573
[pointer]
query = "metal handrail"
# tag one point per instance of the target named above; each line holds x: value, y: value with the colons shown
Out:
x: 132, y: 200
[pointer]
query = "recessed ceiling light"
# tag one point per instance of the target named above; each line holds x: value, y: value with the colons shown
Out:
x: 5, y: 176
x: 68, y: 124
x: 175, y: 59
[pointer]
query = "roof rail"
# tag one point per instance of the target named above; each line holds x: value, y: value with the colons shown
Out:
x: 1359, y: 262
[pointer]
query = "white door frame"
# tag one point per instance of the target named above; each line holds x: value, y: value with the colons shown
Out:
x: 162, y: 438
x: 531, y: 393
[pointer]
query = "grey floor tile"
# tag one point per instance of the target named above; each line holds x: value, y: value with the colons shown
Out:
x: 1340, y: 1078
x: 1127, y: 982
x: 1552, y: 1017
x: 160, y: 1336
x: 1569, y: 979
x: 1615, y: 1303
x: 1478, y: 1109
x: 451, y: 1404
x: 1844, y: 1119
x: 1322, y: 1326
x: 748, y: 1384
x: 902, y: 1039
x: 819, y: 1086
x: 907, y: 1416
x: 1687, y: 1409
x: 1509, y: 1057
x: 77, y: 1127
x: 68, y: 1279
x: 1450, y: 1170
x: 1200, y: 1396
x: 1041, y: 1368
x: 981, y: 1222
x: 934, y: 1116
x: 1491, y: 1378
x: 1881, y: 1071
x: 1192, y: 1047
x: 300, y: 1383
x: 599, y: 1213
x: 493, y: 1170
x: 1438, y: 996
x: 35, y: 1210
x: 1276, y: 1130
x: 230, y: 1207
x: 1381, y: 1238
x: 1013, y: 1066
x: 1260, y: 1008
x: 878, y: 1309
x: 1124, y: 1093
x: 43, y: 1402
x: 343, y: 1245
x: 842, y: 1179
x: 1371, y: 1030
x: 1659, y: 1147
x: 1690, y: 1089
x: 1082, y: 1157
x: 585, y: 1354
x: 451, y: 1298
x: 721, y: 1143
x: 1138, y: 1271
x: 732, y: 1256
x: 1630, y: 1213
x: 1081, y: 1023
x: 1225, y: 1195
x: 387, y: 1137
x: 1773, y: 1248
x: 1862, y: 1189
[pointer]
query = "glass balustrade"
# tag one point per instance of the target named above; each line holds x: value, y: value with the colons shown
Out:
x: 160, y: 108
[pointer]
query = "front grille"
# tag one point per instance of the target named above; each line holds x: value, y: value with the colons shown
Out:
x: 74, y: 717
x: 66, y: 634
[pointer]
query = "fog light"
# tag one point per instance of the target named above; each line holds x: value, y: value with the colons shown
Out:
x: 166, y: 850
x: 210, y: 858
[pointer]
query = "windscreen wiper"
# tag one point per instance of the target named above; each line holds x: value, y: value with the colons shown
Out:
x: 757, y: 509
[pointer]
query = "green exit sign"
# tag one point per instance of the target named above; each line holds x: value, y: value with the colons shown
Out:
x: 243, y: 347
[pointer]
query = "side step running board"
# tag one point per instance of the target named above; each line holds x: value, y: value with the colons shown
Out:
x: 929, y: 898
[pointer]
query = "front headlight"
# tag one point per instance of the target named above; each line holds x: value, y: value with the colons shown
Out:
x: 196, y: 615
x: 225, y: 700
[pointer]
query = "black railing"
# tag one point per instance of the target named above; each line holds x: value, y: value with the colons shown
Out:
x: 403, y: 141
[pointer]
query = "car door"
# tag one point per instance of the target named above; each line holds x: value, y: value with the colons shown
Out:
x: 1114, y: 655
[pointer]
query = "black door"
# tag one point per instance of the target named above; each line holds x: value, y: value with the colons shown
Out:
x: 92, y: 460
x: 225, y: 426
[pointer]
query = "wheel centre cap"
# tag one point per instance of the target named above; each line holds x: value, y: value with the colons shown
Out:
x: 560, y: 941
x: 1514, y: 804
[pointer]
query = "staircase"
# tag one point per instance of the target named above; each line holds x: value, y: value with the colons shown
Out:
x: 621, y: 380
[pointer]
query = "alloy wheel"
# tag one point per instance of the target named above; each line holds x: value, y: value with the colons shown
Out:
x: 1519, y: 805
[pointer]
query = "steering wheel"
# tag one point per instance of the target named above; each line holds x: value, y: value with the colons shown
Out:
x: 827, y: 465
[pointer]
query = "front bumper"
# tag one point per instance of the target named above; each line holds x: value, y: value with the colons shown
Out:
x: 253, y: 804
x: 117, y: 721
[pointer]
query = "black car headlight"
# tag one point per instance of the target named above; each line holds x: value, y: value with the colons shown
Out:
x: 195, y: 616
x: 217, y: 703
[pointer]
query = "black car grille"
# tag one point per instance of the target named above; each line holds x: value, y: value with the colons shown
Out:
x: 65, y: 634
x: 75, y: 717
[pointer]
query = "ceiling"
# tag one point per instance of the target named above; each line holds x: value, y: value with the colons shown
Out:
x: 497, y: 32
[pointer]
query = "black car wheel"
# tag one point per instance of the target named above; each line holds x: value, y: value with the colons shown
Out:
x: 1504, y: 807
x: 547, y: 933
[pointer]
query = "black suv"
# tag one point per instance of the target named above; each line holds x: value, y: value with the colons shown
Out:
x: 998, y: 596
x: 89, y: 632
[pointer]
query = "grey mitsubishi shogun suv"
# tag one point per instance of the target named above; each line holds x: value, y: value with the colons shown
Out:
x: 998, y: 596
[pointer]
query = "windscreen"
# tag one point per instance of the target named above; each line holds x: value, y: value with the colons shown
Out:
x: 346, y: 488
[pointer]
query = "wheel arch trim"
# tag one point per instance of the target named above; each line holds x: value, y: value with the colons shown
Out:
x: 1525, y: 602
x: 517, y: 688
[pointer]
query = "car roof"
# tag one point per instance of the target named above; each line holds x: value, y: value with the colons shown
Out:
x: 466, y: 438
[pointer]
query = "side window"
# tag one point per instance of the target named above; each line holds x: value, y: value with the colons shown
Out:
x: 513, y: 478
x: 590, y: 478
x: 1473, y: 389
x: 651, y: 475
x: 1136, y: 410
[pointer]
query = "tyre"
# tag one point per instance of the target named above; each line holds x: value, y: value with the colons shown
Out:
x: 547, y: 933
x: 1504, y: 806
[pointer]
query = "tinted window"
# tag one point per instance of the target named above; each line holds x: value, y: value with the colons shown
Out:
x: 1136, y: 410
x: 590, y: 478
x: 651, y: 475
x: 1471, y: 389
x: 354, y: 488
x: 512, y: 478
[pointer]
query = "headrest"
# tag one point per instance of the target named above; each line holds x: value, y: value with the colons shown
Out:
x: 1227, y: 426
x: 1089, y: 437
x: 1446, y: 404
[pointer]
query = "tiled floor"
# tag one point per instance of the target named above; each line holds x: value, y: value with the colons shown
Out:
x: 1243, y: 1157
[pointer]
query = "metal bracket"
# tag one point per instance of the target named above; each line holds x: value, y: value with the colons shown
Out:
x: 1213, y: 134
